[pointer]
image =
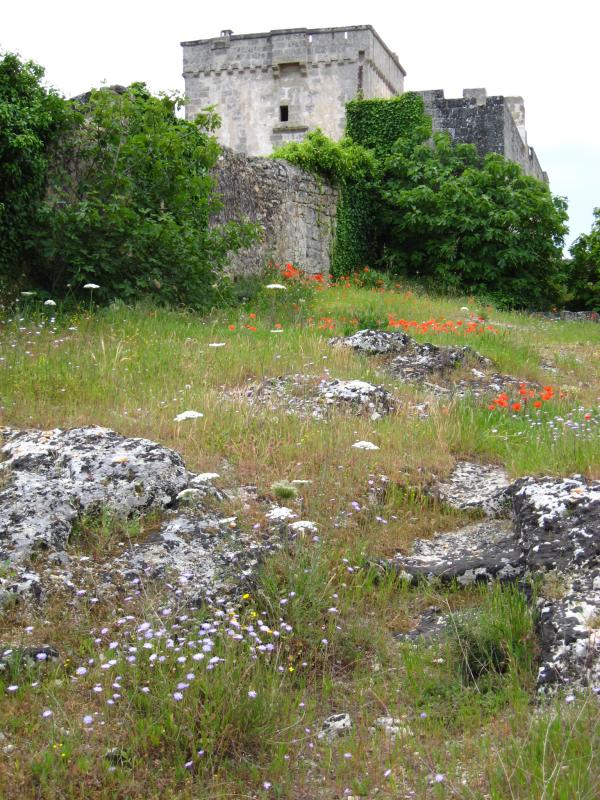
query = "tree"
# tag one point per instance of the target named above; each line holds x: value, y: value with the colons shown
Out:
x: 130, y: 200
x: 585, y: 268
x: 31, y: 120
x: 479, y: 227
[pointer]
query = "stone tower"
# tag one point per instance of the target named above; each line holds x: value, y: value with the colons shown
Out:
x: 271, y: 88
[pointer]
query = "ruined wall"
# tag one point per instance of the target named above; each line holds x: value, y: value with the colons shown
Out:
x: 311, y: 74
x: 493, y: 124
x: 296, y: 211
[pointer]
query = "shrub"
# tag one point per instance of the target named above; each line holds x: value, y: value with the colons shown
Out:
x: 585, y: 268
x: 428, y: 209
x: 462, y: 225
x: 31, y: 119
x: 129, y: 204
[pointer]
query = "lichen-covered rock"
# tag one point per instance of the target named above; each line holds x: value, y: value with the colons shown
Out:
x: 478, y: 553
x: 435, y: 366
x: 316, y: 397
x: 481, y: 487
x: 420, y: 361
x: 358, y: 394
x: 200, y: 555
x: 392, y: 727
x: 555, y: 529
x: 55, y: 475
x: 373, y: 341
x: 334, y: 726
x: 569, y: 629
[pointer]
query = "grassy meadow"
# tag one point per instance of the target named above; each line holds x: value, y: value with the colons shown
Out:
x: 232, y: 720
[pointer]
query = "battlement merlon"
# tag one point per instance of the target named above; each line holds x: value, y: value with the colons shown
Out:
x: 272, y: 88
x: 494, y: 124
x: 291, y: 44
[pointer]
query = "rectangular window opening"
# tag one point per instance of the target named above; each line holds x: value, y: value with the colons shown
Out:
x: 283, y: 113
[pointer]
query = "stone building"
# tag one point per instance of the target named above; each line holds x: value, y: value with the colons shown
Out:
x: 271, y: 88
x: 493, y: 124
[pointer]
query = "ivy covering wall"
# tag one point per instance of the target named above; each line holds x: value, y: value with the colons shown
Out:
x: 376, y: 125
x: 423, y: 207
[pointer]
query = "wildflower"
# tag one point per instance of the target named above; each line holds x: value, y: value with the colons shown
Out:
x: 267, y: 785
x: 387, y: 773
x: 276, y: 286
x: 252, y: 315
x: 516, y: 406
x: 347, y: 755
x: 217, y: 344
x: 439, y: 778
x: 177, y: 696
x: 365, y: 446
x: 47, y: 713
x: 88, y: 719
x: 49, y: 303
x: 187, y: 415
x: 80, y: 671
x: 231, y: 327
x: 252, y: 694
x: 12, y: 688
x: 91, y: 286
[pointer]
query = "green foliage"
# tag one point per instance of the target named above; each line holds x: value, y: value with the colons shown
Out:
x: 438, y: 213
x: 486, y: 229
x: 585, y: 268
x: 337, y: 161
x: 31, y: 119
x: 378, y: 123
x: 499, y: 639
x: 130, y: 201
x: 375, y: 125
x: 352, y: 168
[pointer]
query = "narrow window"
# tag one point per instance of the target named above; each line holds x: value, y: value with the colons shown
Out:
x: 283, y: 113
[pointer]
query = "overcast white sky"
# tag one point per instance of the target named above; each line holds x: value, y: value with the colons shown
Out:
x: 545, y: 51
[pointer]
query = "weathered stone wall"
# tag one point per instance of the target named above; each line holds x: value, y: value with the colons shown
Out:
x: 493, y: 124
x: 296, y: 211
x: 256, y: 80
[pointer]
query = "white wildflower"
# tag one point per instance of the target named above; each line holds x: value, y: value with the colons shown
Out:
x: 187, y: 415
x: 365, y: 446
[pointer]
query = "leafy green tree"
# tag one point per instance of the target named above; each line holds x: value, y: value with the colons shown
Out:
x: 130, y: 202
x: 585, y: 268
x: 483, y: 228
x: 423, y: 207
x: 336, y: 161
x: 31, y: 120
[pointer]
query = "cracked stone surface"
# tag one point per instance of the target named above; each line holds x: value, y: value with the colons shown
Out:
x: 555, y: 529
x: 358, y: 394
x: 415, y: 362
x: 334, y: 726
x: 203, y: 556
x: 315, y: 397
x: 56, y: 475
x: 482, y: 551
x: 476, y: 487
x: 51, y: 478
